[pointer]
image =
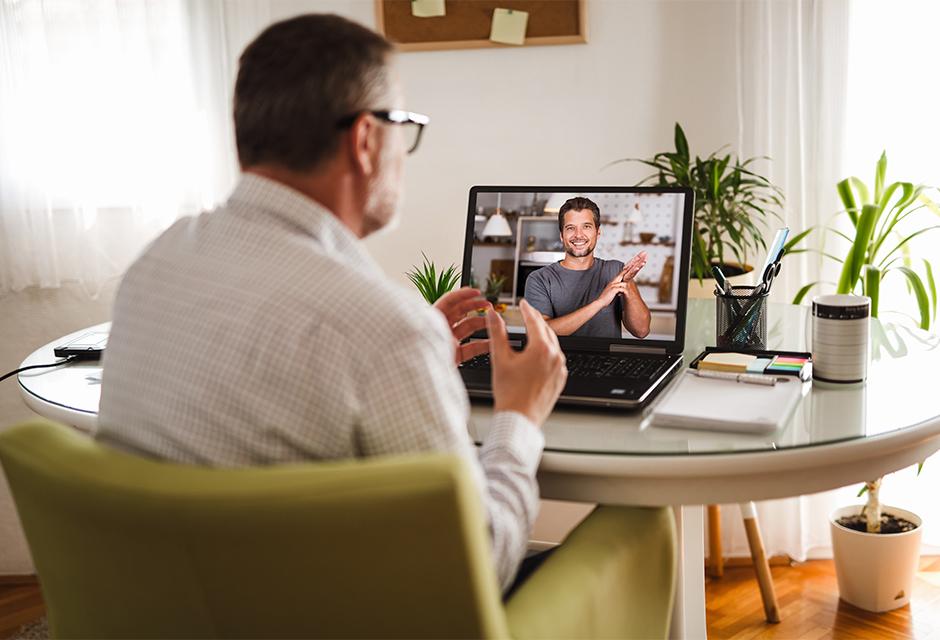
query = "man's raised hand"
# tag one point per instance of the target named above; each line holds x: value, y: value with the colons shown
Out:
x: 633, y: 267
x: 529, y: 381
x: 455, y: 305
x: 613, y: 288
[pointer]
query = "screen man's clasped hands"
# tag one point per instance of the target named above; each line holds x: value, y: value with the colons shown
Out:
x: 619, y: 283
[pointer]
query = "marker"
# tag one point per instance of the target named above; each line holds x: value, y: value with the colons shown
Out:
x: 775, y: 253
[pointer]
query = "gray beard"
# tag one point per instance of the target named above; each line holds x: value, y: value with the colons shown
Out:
x: 383, y: 206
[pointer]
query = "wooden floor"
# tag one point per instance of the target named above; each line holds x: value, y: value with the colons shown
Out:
x: 809, y: 606
x: 19, y: 604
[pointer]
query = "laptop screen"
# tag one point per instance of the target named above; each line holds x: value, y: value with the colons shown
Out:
x: 604, y: 264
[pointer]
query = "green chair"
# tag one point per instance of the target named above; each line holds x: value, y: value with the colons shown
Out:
x: 398, y: 547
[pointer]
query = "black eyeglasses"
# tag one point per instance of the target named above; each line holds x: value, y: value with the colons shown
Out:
x: 414, y: 123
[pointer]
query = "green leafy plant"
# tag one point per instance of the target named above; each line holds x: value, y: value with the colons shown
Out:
x: 733, y: 204
x: 432, y: 284
x: 878, y: 246
x: 494, y: 286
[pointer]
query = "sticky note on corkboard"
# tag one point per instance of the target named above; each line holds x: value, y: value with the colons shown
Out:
x: 428, y: 8
x: 509, y: 26
x: 468, y: 24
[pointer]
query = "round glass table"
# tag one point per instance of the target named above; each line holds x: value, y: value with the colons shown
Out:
x: 838, y: 435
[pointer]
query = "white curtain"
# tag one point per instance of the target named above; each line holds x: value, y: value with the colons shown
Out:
x: 805, y: 84
x: 894, y: 93
x: 792, y: 56
x: 114, y: 120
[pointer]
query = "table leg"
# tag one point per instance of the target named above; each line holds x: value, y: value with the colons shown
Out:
x: 688, y: 614
x: 761, y: 566
x: 716, y: 561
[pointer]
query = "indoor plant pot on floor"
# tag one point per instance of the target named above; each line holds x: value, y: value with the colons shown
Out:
x: 875, y: 569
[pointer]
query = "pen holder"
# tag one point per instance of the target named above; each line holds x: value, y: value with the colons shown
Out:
x: 741, y: 321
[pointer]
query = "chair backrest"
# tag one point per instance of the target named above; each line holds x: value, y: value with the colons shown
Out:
x: 130, y: 547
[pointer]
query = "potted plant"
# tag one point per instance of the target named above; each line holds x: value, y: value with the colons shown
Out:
x: 875, y: 550
x: 877, y: 245
x: 494, y: 286
x: 431, y: 283
x: 733, y: 207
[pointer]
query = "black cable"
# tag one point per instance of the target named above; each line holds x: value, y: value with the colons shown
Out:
x: 39, y: 366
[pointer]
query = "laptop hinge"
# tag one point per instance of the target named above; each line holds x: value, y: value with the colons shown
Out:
x: 625, y: 348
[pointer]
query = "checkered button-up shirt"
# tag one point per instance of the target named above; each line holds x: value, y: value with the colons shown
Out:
x: 262, y: 332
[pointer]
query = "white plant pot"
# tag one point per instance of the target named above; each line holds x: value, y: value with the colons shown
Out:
x: 875, y: 570
x: 706, y: 288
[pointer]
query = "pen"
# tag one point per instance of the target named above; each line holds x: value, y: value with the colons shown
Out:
x: 720, y: 282
x: 749, y: 378
x: 723, y: 286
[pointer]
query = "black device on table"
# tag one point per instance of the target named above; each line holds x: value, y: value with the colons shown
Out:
x: 89, y: 346
x: 602, y: 372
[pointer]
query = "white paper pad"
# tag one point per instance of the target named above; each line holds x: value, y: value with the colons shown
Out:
x: 724, y: 405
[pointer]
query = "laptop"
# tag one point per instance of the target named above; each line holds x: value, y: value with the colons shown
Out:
x: 515, y: 248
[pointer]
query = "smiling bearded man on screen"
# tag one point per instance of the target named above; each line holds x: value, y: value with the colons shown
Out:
x: 583, y: 295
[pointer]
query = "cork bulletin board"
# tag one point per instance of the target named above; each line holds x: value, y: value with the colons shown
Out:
x: 466, y: 24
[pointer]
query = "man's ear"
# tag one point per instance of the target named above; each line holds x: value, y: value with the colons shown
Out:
x: 363, y: 144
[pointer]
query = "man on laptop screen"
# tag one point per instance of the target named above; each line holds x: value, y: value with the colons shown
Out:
x: 599, y: 263
x: 583, y: 295
x: 606, y: 266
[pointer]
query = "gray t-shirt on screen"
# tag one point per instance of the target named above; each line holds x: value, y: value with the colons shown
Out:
x: 556, y: 291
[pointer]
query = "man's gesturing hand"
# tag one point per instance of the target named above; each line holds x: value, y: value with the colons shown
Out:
x: 455, y: 305
x: 619, y: 283
x: 529, y: 381
x: 613, y: 288
x: 633, y: 267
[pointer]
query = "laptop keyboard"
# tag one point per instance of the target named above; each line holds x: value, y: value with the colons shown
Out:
x: 598, y: 365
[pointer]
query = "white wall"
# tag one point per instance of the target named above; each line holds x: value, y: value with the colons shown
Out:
x: 553, y: 115
x: 534, y: 115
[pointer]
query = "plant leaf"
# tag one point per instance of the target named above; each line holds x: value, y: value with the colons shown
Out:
x: 429, y: 283
x: 840, y: 234
x: 887, y: 222
x: 932, y: 287
x: 881, y: 168
x: 701, y: 266
x: 902, y: 245
x: 788, y: 247
x: 682, y: 145
x: 873, y: 287
x: 798, y: 298
x: 848, y: 200
x: 852, y: 267
x: 930, y: 204
x: 920, y: 293
x: 863, y: 195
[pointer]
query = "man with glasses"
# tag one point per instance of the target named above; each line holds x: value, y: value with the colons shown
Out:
x: 262, y: 331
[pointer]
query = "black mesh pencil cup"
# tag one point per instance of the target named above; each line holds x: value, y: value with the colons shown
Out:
x: 741, y: 321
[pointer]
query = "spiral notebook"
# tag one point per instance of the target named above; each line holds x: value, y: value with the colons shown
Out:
x: 725, y: 405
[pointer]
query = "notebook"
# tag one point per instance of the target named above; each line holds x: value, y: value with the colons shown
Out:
x: 725, y: 405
